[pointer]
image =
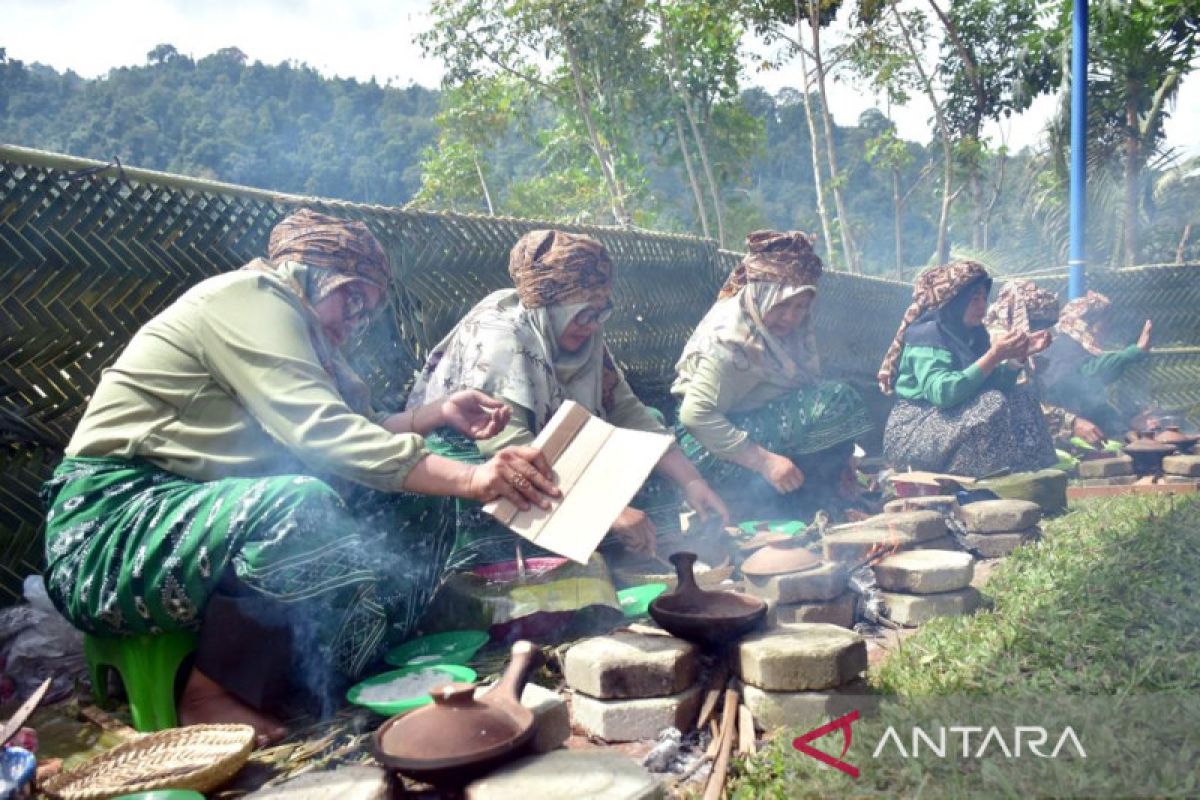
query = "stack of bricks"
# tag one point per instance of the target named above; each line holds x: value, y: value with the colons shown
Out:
x: 997, y: 527
x: 799, y: 675
x: 630, y: 686
x: 923, y: 584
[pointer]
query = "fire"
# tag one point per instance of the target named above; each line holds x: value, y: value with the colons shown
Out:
x: 881, y: 550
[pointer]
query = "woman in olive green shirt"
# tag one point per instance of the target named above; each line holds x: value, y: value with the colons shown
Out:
x: 198, y: 491
x: 754, y: 414
x: 959, y: 407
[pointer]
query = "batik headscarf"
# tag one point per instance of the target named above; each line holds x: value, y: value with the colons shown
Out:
x: 507, y: 345
x: 776, y: 267
x: 1022, y: 306
x: 933, y: 290
x: 314, y: 254
x: 1079, y: 318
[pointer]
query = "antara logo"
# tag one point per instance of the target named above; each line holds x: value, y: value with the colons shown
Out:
x: 842, y: 723
x: 940, y: 742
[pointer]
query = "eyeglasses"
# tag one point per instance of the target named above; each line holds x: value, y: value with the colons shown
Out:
x: 354, y: 310
x: 594, y: 316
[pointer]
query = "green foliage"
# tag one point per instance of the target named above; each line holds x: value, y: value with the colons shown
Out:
x: 281, y: 127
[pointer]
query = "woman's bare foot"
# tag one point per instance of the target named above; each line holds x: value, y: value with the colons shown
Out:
x: 205, y: 702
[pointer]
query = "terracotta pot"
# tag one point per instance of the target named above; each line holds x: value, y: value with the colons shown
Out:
x: 1148, y: 454
x: 1174, y: 436
x: 461, y: 737
x: 780, y: 558
x: 706, y: 617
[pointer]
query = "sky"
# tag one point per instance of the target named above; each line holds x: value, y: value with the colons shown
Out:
x: 374, y: 38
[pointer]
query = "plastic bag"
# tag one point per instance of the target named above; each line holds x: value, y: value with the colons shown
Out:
x: 36, y: 642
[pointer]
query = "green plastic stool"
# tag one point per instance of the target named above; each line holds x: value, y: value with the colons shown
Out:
x: 148, y: 666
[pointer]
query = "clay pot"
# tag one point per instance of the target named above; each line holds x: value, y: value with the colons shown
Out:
x: 1173, y: 435
x: 706, y: 617
x: 461, y: 737
x: 780, y: 558
x: 1148, y: 454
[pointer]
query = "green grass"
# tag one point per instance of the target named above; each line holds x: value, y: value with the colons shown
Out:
x: 1106, y: 607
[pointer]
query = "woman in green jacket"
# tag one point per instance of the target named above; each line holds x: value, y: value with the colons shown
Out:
x: 1076, y: 371
x: 959, y: 408
x: 229, y: 477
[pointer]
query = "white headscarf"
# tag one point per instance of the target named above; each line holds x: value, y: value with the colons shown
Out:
x: 733, y: 330
x: 512, y: 352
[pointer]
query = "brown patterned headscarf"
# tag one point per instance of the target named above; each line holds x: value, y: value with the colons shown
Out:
x: 342, y: 250
x: 775, y: 257
x: 1022, y: 306
x: 313, y: 254
x: 933, y: 289
x: 1079, y: 318
x: 555, y: 268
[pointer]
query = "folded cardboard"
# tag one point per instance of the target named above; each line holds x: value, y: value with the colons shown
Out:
x: 599, y: 468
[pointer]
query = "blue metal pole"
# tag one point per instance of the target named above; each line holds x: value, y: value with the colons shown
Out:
x: 1078, y: 255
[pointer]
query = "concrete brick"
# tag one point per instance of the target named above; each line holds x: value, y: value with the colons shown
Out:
x: 998, y: 545
x: 358, y: 782
x: 630, y: 665
x: 839, y: 611
x: 1113, y: 467
x: 802, y: 710
x: 821, y: 583
x: 1186, y: 466
x: 915, y: 526
x: 946, y: 542
x: 631, y: 720
x: 1047, y: 488
x: 925, y: 571
x: 917, y: 609
x: 936, y: 502
x: 591, y: 774
x: 801, y: 657
x: 1000, y: 516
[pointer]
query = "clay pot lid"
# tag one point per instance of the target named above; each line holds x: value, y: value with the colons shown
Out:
x: 762, y: 539
x: 1148, y: 446
x: 1172, y: 434
x: 780, y: 559
x: 455, y: 726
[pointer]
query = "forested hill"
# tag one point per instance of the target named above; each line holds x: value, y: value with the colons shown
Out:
x: 286, y: 127
x: 283, y: 127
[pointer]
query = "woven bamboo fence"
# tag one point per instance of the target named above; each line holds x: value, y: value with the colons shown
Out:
x: 89, y: 252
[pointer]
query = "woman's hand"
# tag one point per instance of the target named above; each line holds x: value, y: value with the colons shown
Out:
x: 780, y: 472
x: 1143, y: 341
x: 520, y: 474
x: 472, y: 413
x: 1039, y: 342
x: 1088, y: 431
x: 635, y: 531
x: 1013, y: 344
x: 701, y: 497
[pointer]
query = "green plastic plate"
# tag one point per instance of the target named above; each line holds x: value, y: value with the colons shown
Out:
x: 788, y: 526
x: 454, y: 673
x: 636, y: 600
x: 451, y: 647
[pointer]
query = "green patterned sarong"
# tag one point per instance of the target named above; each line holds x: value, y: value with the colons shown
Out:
x: 815, y: 427
x: 133, y: 549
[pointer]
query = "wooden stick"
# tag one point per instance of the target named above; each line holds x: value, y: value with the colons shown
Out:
x: 709, y: 706
x: 746, y: 743
x: 716, y: 781
x: 714, y: 744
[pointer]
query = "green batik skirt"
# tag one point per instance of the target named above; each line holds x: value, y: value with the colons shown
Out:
x: 134, y: 549
x: 814, y: 426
